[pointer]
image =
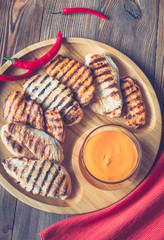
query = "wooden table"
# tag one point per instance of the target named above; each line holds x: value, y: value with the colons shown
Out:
x: 138, y: 32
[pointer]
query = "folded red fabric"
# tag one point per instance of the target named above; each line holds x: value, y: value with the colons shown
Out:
x: 140, y: 215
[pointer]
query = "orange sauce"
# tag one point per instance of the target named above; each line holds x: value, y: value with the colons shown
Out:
x: 110, y: 156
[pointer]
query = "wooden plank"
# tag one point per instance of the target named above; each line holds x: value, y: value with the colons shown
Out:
x: 7, y: 214
x: 159, y: 67
x: 30, y: 221
x: 7, y: 201
x: 4, y: 6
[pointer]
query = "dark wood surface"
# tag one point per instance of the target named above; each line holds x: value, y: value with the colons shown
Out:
x: 135, y: 30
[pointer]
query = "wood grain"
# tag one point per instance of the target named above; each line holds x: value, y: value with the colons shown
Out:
x: 7, y: 214
x: 141, y: 39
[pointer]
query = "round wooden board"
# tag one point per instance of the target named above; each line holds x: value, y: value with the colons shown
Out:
x: 87, y: 195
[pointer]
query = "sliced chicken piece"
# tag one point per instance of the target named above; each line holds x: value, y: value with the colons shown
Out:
x: 18, y: 109
x: 39, y: 177
x: 74, y: 75
x: 54, y: 125
x: 24, y: 141
x: 49, y: 93
x: 134, y: 107
x: 107, y: 99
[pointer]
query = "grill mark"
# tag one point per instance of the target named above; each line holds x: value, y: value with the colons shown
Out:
x: 124, y: 80
x: 14, y: 144
x: 35, y: 89
x: 9, y: 166
x: 127, y: 88
x: 80, y: 76
x: 30, y: 174
x: 136, y: 91
x: 137, y: 106
x: 34, y: 120
x: 80, y: 66
x: 31, y: 141
x: 11, y: 127
x: 68, y: 78
x: 97, y: 60
x: 25, y: 90
x: 139, y: 113
x: 8, y: 138
x: 59, y: 60
x: 49, y: 94
x: 24, y: 110
x: 80, y: 84
x: 22, y: 172
x: 19, y: 104
x: 116, y: 108
x: 57, y: 97
x: 37, y: 177
x: 25, y: 136
x: 44, y: 79
x: 137, y: 98
x: 52, y: 117
x: 59, y: 68
x: 37, y: 144
x: 104, y: 73
x: 43, y: 150
x: 30, y: 112
x: 61, y: 78
x: 59, y: 185
x: 129, y: 116
x: 113, y: 111
x: 69, y: 104
x: 20, y: 148
x: 62, y: 100
x: 111, y: 86
x: 47, y: 173
x: 43, y: 90
x: 106, y: 80
x: 68, y: 120
x: 113, y: 93
x: 15, y: 97
x: 19, y: 130
x: 53, y: 179
x: 4, y: 161
x: 102, y: 66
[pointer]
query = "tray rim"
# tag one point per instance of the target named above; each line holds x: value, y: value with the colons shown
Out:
x: 47, y: 207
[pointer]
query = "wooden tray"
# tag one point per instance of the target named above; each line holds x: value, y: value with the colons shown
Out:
x: 87, y: 195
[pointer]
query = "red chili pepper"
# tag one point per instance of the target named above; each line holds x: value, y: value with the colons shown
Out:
x: 38, y: 63
x: 80, y: 10
x: 16, y: 77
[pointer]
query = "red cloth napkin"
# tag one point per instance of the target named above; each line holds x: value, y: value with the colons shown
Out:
x: 140, y: 215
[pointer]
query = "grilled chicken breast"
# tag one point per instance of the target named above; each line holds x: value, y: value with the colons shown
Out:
x: 54, y: 125
x: 49, y: 93
x: 134, y: 108
x: 39, y: 177
x: 18, y: 109
x: 74, y: 75
x: 107, y: 99
x: 22, y: 140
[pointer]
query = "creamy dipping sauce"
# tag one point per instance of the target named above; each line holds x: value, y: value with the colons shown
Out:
x: 110, y: 156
